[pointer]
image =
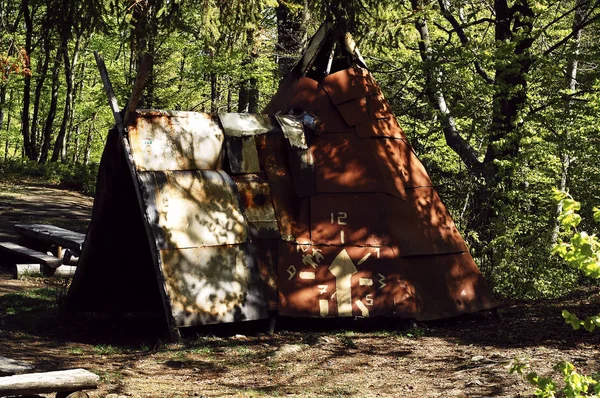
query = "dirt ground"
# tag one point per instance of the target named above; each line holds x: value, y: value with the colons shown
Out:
x: 464, y: 357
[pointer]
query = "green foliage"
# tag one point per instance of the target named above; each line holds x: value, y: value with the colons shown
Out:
x: 77, y: 177
x: 581, y: 252
x: 576, y: 385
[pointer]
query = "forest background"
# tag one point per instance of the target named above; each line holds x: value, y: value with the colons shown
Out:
x: 499, y: 98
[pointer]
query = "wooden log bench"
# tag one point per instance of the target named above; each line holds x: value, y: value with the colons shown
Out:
x: 24, y: 253
x: 63, y: 382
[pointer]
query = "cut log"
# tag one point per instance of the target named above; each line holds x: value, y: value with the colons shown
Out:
x: 10, y: 367
x: 30, y: 254
x: 64, y: 271
x: 40, y: 383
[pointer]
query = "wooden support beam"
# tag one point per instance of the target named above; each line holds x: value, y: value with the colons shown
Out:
x: 47, y: 382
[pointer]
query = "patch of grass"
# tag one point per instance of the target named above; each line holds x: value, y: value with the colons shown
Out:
x: 348, y: 342
x: 112, y: 376
x: 31, y: 301
x: 415, y: 333
x: 32, y: 311
x: 201, y: 350
x: 106, y: 349
x: 76, y: 351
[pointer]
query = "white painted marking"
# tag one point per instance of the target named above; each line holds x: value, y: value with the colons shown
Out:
x: 365, y: 281
x: 292, y: 271
x: 324, y: 307
x: 378, y: 251
x: 342, y: 237
x: 333, y: 296
x: 322, y: 289
x: 342, y: 217
x: 369, y: 299
x: 362, y: 260
x: 363, y: 309
x: 317, y: 254
x: 308, y: 260
x: 343, y: 268
x: 307, y: 275
x: 381, y: 281
x: 463, y: 293
x: 332, y: 218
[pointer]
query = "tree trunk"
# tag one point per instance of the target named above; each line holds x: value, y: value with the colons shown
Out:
x: 7, y: 141
x: 89, y: 140
x: 38, y: 94
x: 59, y: 145
x: 291, y: 36
x: 571, y: 84
x: 27, y: 84
x: 436, y: 97
x: 52, y: 111
x: 214, y: 93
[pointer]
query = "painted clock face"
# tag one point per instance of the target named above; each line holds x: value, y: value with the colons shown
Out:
x: 334, y: 281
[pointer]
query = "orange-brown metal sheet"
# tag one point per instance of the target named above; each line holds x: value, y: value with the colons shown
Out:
x: 421, y: 224
x: 349, y: 84
x: 442, y: 286
x: 345, y: 163
x: 398, y: 158
x: 193, y: 208
x: 255, y: 197
x: 171, y: 140
x: 349, y: 219
x: 330, y: 281
x: 385, y: 127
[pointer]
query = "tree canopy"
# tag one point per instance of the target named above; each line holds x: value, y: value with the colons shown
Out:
x: 498, y: 98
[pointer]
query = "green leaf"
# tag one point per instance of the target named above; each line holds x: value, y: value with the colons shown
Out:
x: 571, y: 319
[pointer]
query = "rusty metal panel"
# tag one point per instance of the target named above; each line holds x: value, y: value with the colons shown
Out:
x: 162, y: 140
x: 265, y: 252
x: 434, y: 287
x: 246, y: 124
x: 378, y: 107
x: 349, y: 219
x: 400, y: 160
x: 242, y: 155
x: 332, y: 281
x: 355, y: 111
x: 349, y: 84
x: 255, y: 196
x: 345, y: 163
x: 421, y: 225
x: 387, y: 127
x: 193, y: 208
x: 213, y: 285
x: 292, y: 131
x: 300, y: 158
x: 291, y: 211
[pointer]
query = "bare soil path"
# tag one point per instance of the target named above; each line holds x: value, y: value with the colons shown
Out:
x: 464, y: 357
